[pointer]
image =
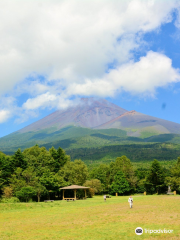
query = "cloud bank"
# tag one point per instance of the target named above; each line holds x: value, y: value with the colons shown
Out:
x: 81, y: 48
x: 143, y: 77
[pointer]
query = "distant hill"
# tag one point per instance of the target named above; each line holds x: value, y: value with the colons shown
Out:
x: 92, y: 124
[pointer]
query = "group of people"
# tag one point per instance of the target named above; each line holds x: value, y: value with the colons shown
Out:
x: 130, y: 201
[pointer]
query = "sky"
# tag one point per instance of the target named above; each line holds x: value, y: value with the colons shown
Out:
x: 53, y: 52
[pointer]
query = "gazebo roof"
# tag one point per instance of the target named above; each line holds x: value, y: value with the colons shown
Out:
x: 75, y: 187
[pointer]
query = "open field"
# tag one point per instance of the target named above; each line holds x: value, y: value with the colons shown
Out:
x: 91, y: 219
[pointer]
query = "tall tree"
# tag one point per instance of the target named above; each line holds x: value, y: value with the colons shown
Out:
x: 74, y: 172
x: 6, y: 170
x: 94, y: 184
x: 155, y: 178
x: 39, y: 189
x: 60, y: 158
x: 19, y: 159
x: 174, y: 179
x: 102, y: 172
x: 120, y: 184
x: 124, y: 164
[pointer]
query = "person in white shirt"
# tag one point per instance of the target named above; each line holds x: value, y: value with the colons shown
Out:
x: 130, y: 200
x: 104, y: 197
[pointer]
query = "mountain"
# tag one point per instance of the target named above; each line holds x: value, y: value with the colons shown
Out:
x: 138, y: 124
x: 101, y: 114
x: 92, y: 123
x: 89, y: 113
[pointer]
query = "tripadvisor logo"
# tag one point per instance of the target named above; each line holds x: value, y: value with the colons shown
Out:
x: 139, y: 231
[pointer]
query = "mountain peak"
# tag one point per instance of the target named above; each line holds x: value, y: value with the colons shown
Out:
x: 89, y: 113
x: 101, y: 114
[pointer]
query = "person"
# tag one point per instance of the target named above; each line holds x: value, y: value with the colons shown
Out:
x: 130, y: 200
x: 104, y: 197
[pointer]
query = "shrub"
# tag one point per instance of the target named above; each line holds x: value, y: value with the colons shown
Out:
x: 10, y: 200
x: 7, y: 192
x: 26, y: 193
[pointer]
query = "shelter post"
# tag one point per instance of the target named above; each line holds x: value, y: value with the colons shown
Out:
x: 85, y: 192
x: 75, y: 194
x: 63, y: 194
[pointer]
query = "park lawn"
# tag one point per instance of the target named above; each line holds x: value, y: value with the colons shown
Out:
x: 91, y: 219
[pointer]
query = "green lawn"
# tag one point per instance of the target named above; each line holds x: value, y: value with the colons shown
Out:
x: 91, y: 219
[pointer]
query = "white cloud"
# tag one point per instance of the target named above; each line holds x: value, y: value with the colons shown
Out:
x: 143, y: 77
x: 43, y: 100
x: 49, y: 100
x: 33, y: 87
x: 72, y: 43
x: 4, y: 115
x: 71, y: 40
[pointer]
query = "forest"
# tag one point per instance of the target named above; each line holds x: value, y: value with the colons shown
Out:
x: 37, y: 174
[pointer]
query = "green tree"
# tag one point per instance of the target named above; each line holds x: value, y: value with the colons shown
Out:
x: 39, y: 189
x: 141, y: 174
x: 74, y: 172
x: 60, y: 158
x: 102, y: 172
x: 49, y: 180
x: 17, y: 181
x: 155, y: 179
x: 174, y: 179
x: 120, y: 184
x: 175, y: 171
x: 124, y: 164
x: 39, y: 158
x: 19, y: 159
x: 94, y: 184
x: 26, y: 193
x: 6, y: 170
x: 29, y: 175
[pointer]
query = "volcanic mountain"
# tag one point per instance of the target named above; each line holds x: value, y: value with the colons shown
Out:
x: 135, y: 123
x: 91, y: 123
x: 90, y: 113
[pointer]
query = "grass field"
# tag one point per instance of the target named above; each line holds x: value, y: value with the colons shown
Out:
x: 91, y: 219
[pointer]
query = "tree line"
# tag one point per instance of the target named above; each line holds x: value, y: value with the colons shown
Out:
x: 38, y: 174
x: 136, y: 152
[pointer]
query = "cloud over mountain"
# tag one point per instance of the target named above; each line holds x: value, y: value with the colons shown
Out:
x: 80, y: 48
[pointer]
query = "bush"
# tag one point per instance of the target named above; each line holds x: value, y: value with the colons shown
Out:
x: 26, y: 193
x: 10, y: 200
x: 7, y: 192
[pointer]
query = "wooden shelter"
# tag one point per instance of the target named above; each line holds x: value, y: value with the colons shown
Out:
x: 74, y: 188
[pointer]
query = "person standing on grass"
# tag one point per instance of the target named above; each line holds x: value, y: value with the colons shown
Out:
x: 130, y: 200
x: 105, y: 198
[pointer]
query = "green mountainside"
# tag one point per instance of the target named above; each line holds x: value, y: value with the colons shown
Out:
x: 97, y: 144
x: 99, y: 130
x: 77, y: 137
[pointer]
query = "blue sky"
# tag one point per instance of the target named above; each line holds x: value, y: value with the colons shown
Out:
x: 55, y: 52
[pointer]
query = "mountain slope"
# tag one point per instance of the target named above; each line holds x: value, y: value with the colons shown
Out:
x: 89, y: 114
x: 92, y: 123
x: 135, y: 123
